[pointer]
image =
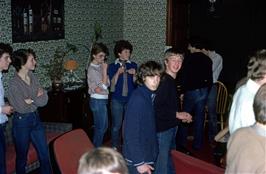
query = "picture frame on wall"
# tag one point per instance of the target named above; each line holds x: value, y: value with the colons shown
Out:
x: 37, y: 20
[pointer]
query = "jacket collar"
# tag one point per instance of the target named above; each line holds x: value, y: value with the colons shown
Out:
x: 118, y: 61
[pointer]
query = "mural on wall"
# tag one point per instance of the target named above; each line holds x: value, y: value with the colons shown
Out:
x: 33, y: 20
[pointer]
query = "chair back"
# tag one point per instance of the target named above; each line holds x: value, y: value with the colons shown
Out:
x: 67, y: 149
x: 222, y: 96
x: 222, y: 101
x: 188, y: 164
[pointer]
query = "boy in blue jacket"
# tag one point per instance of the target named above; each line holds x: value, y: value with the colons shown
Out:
x: 122, y: 74
x: 140, y: 141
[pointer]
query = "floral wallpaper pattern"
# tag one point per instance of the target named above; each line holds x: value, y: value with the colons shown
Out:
x: 142, y: 22
x: 145, y: 25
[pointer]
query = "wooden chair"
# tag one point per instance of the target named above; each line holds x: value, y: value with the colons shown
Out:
x: 66, y: 150
x: 222, y: 104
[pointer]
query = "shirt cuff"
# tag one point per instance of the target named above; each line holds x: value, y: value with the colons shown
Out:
x: 104, y: 86
x: 139, y: 164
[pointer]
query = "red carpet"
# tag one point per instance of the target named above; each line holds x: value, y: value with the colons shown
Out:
x: 207, y: 152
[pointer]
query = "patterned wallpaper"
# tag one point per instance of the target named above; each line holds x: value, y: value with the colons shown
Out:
x: 142, y: 22
x: 145, y: 25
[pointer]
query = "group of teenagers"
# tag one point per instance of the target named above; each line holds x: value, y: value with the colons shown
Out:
x: 150, y: 129
x: 148, y: 109
x: 144, y: 102
x: 246, y: 146
x: 25, y: 95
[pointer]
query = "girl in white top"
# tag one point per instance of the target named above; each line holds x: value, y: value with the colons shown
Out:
x: 98, y: 83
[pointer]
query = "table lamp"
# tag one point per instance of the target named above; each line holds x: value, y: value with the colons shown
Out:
x: 70, y: 66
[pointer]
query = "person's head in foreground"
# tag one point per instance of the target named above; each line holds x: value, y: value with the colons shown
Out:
x: 259, y: 106
x: 102, y: 160
x: 246, y: 146
x: 257, y: 67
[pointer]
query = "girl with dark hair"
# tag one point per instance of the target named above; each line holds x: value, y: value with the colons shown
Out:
x: 25, y: 94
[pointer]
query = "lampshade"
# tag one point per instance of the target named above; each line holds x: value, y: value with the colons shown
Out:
x: 71, y: 65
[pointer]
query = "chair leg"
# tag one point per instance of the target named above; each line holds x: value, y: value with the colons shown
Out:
x: 222, y: 121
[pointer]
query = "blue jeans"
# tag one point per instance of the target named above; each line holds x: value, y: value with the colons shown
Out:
x: 194, y: 103
x: 100, y: 119
x: 166, y: 141
x: 117, y: 108
x: 212, y: 115
x: 28, y: 128
x: 2, y: 150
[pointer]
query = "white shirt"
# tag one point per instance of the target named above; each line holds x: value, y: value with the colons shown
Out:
x: 241, y: 113
x: 217, y: 64
x: 3, y: 117
x: 94, y: 77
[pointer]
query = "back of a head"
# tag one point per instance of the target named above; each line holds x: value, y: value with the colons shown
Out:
x: 102, y: 160
x: 259, y: 105
x: 257, y: 65
x: 208, y: 45
x: 197, y: 42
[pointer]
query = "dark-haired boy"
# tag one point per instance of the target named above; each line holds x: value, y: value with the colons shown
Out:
x: 122, y: 76
x: 5, y: 60
x: 140, y: 142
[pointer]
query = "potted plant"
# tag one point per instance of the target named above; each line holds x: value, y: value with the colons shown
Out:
x: 55, y: 68
x: 97, y: 35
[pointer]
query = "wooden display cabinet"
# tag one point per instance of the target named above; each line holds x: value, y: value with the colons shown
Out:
x: 70, y: 106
